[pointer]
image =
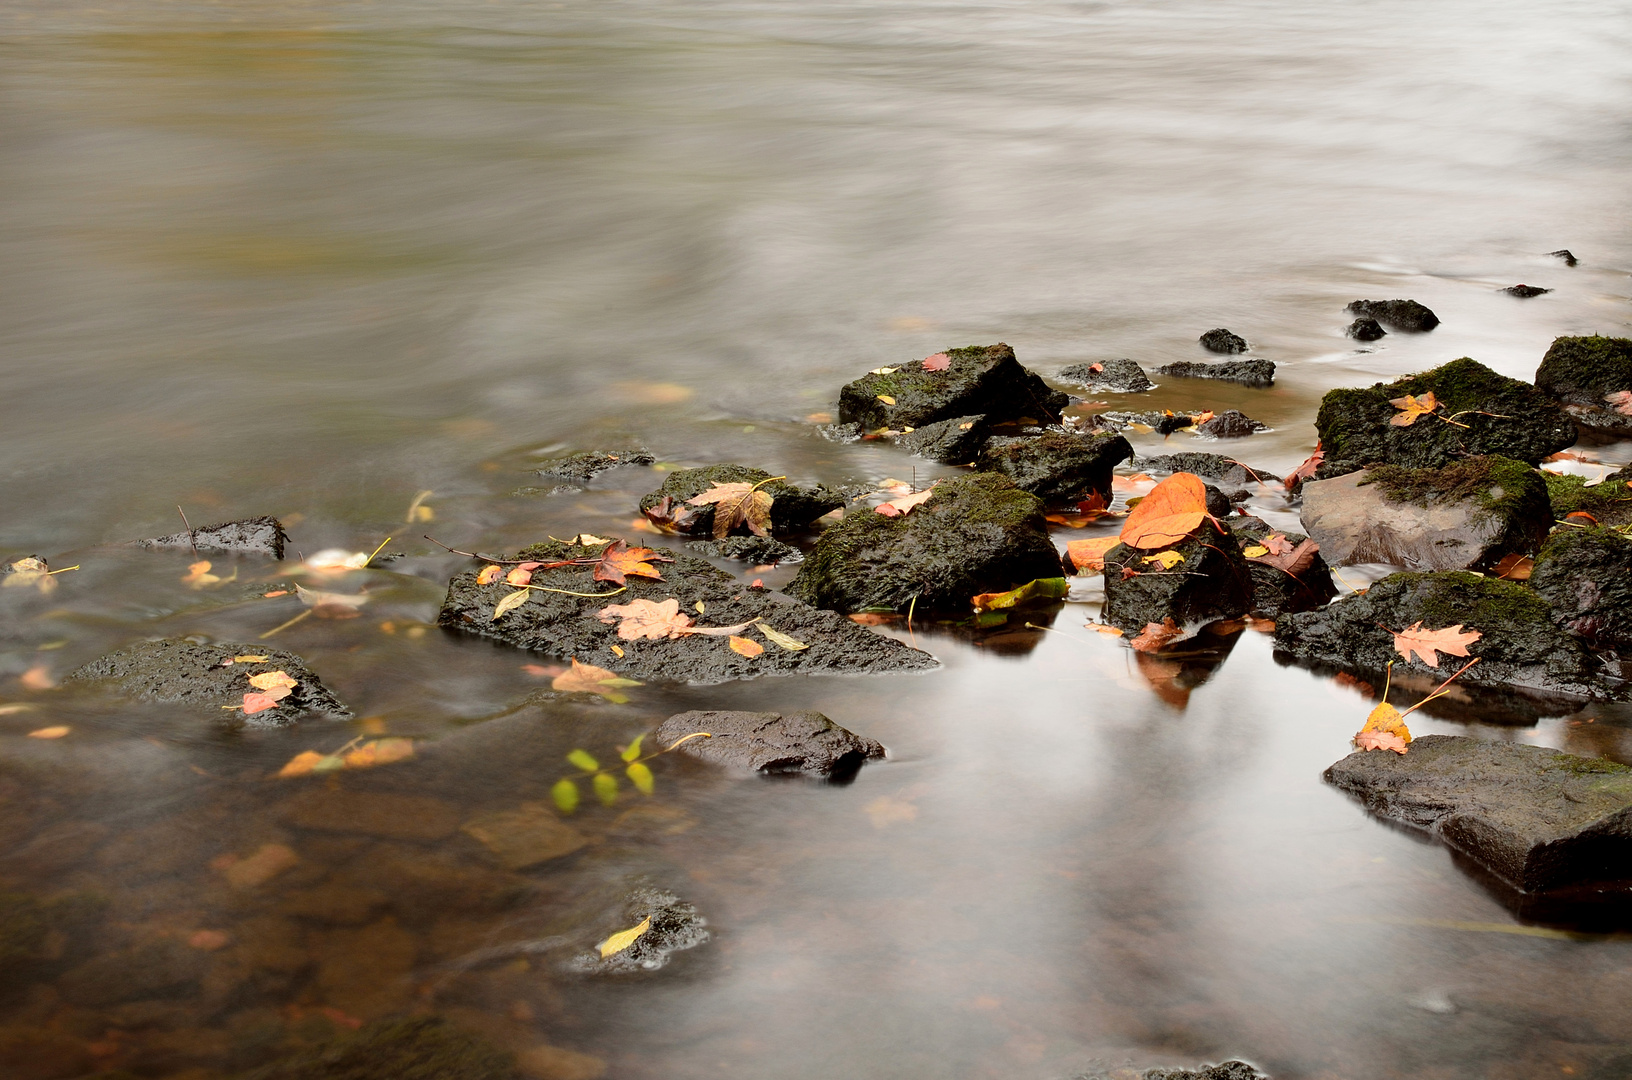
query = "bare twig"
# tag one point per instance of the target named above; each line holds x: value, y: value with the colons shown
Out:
x: 190, y: 541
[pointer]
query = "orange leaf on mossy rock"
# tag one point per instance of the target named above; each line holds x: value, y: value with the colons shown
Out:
x: 1173, y: 510
x: 1427, y: 644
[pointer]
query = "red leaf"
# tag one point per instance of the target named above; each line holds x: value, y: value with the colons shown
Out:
x: 939, y: 362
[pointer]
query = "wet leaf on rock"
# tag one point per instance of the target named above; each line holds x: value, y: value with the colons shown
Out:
x: 1427, y: 644
x: 1411, y: 407
x: 777, y: 637
x: 646, y: 619
x: 737, y: 504
x: 745, y: 646
x: 624, y: 938
x: 1174, y: 509
x: 1156, y: 636
x: 1167, y: 560
x: 1090, y: 554
x: 939, y: 362
x: 1041, y: 589
x: 620, y: 559
x: 511, y: 603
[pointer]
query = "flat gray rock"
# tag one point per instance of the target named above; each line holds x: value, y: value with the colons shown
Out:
x: 801, y: 742
x: 1536, y: 818
x: 250, y: 536
x: 1254, y: 372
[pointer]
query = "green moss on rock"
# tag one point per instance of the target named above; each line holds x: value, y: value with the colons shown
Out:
x: 792, y: 508
x: 1581, y: 372
x: 978, y: 379
x: 1609, y: 502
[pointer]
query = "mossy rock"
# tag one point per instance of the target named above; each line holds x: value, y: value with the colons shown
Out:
x: 205, y: 678
x: 1274, y: 591
x: 978, y: 380
x: 1213, y: 582
x: 977, y: 533
x: 1586, y: 575
x: 1056, y: 466
x: 957, y: 441
x: 1610, y: 503
x: 1581, y: 372
x: 792, y: 508
x: 1493, y: 414
x: 420, y: 1048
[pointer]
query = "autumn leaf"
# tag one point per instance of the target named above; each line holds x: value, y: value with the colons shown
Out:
x: 1384, y: 730
x: 745, y: 646
x: 1174, y: 509
x: 939, y: 362
x: 1279, y: 552
x: 624, y: 938
x: 1090, y: 554
x: 1254, y: 551
x: 1041, y: 589
x: 736, y: 504
x: 1130, y: 483
x: 905, y: 504
x: 1201, y: 417
x: 303, y: 764
x: 1411, y: 407
x: 379, y: 752
x: 1277, y: 544
x: 1090, y: 509
x: 589, y: 679
x: 271, y: 680
x: 665, y: 512
x: 254, y: 703
x: 886, y: 399
x: 632, y: 751
x: 1428, y: 643
x: 521, y: 575
x: 511, y: 603
x: 619, y: 559
x: 199, y: 576
x: 1307, y: 469
x: 1167, y: 560
x: 777, y: 637
x: 646, y: 619
x: 1156, y: 636
x: 1380, y: 740
x: 56, y: 732
x: 316, y: 598
x: 489, y: 574
x: 1515, y: 567
x: 717, y: 631
x: 1620, y: 401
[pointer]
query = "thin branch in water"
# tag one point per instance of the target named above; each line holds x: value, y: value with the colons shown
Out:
x: 188, y: 525
x: 376, y: 551
x: 475, y: 555
x: 285, y: 626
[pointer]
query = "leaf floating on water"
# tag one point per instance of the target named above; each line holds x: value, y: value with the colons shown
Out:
x: 379, y: 752
x: 584, y: 760
x: 336, y: 561
x: 606, y: 788
x: 777, y: 637
x: 198, y: 575
x: 1156, y: 636
x: 640, y: 619
x: 1411, y: 407
x: 1427, y: 644
x: 49, y: 732
x: 641, y: 776
x: 589, y: 679
x: 565, y: 794
x: 314, y: 598
x: 37, y: 677
x: 1041, y: 589
x: 745, y: 646
x: 16, y: 707
x: 939, y: 362
x: 511, y: 603
x: 624, y: 938
x: 1174, y: 509
x: 302, y: 764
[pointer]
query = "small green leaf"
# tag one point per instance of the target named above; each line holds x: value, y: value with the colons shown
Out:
x: 582, y: 759
x: 606, y: 788
x: 329, y: 764
x: 641, y: 776
x: 632, y: 751
x: 565, y: 794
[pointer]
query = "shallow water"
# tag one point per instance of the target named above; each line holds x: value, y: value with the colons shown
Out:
x: 314, y: 260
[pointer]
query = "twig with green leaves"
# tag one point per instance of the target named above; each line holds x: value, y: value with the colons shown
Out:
x: 603, y: 781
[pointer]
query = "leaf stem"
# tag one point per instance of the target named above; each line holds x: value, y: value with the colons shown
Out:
x: 285, y: 626
x: 376, y: 551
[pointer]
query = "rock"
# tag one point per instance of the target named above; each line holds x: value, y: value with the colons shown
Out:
x: 1158, y: 421
x: 569, y: 626
x: 1564, y: 253
x: 24, y: 927
x: 1230, y: 424
x: 801, y: 742
x: 1218, y: 503
x: 1274, y: 591
x: 1521, y: 647
x: 1586, y: 575
x: 1356, y: 428
x: 977, y: 533
x: 370, y: 813
x: 1122, y: 376
x: 754, y: 549
x: 175, y: 669
x: 1227, y: 1070
x: 1237, y: 481
x: 1407, y: 315
x: 1058, y: 466
x: 157, y: 968
x: 980, y: 380
x: 792, y: 508
x: 530, y: 834
x: 249, y: 536
x: 841, y: 433
x: 1213, y: 582
x: 1525, y: 292
x: 675, y: 927
x: 1461, y: 517
x: 1255, y: 372
x: 952, y: 442
x: 1222, y: 341
x: 1536, y: 818
x: 1609, y: 503
x: 584, y: 467
x: 1366, y: 330
x: 416, y: 1048
x: 1582, y: 373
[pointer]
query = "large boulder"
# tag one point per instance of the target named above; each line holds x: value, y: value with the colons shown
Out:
x: 1212, y: 582
x: 957, y: 441
x: 792, y: 508
x: 1407, y: 315
x: 1255, y: 372
x: 1492, y: 414
x: 1121, y: 376
x: 567, y: 622
x: 1520, y: 646
x: 1283, y: 581
x: 1586, y: 575
x: 800, y: 742
x: 1585, y: 374
x: 1535, y: 817
x: 1058, y: 466
x: 247, y: 536
x: 1220, y: 340
x: 977, y: 533
x: 985, y: 380
x: 1460, y: 517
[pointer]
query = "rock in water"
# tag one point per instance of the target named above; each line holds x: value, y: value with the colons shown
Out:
x: 957, y: 441
x: 983, y: 380
x: 1591, y: 377
x: 792, y: 508
x: 1256, y: 372
x: 1537, y: 818
x: 1407, y: 315
x: 1222, y: 341
x: 1235, y: 480
x: 567, y: 625
x: 1493, y: 414
x: 1122, y: 376
x: 1564, y: 253
x: 183, y: 671
x: 1525, y: 292
x: 754, y: 549
x: 674, y: 927
x: 1277, y: 592
x: 1230, y: 424
x: 801, y: 742
x: 1213, y: 582
x: 1056, y: 466
x: 1366, y: 330
x: 584, y: 467
x: 1461, y: 517
x: 1609, y: 502
x: 1586, y: 575
x: 250, y: 536
x: 976, y: 533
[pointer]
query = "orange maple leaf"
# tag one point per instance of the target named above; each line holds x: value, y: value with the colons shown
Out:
x: 1174, y: 509
x: 644, y: 619
x: 1428, y: 643
x: 939, y: 362
x: 619, y: 559
x: 905, y: 504
x: 1380, y: 740
x: 736, y: 504
x: 1411, y: 407
x: 1090, y: 554
x: 1156, y: 636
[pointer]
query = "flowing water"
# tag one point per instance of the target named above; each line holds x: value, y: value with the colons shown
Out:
x: 312, y: 260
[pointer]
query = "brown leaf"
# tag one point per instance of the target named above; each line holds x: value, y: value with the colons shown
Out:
x: 666, y: 512
x: 1307, y: 469
x: 1515, y: 567
x: 1277, y: 544
x: 1451, y: 641
x: 736, y: 504
x: 1158, y: 635
x: 905, y: 504
x: 1288, y: 559
x: 619, y: 559
x: 587, y: 678
x: 1174, y: 509
x: 1411, y: 407
x: 644, y: 619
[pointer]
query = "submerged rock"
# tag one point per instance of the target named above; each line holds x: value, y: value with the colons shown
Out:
x: 1221, y: 340
x: 977, y: 533
x: 1564, y: 253
x: 1460, y: 517
x: 1586, y: 575
x: 248, y: 536
x: 1122, y: 376
x: 1407, y: 315
x: 983, y: 380
x: 754, y: 549
x: 1525, y: 292
x: 1230, y: 424
x: 674, y: 927
x: 416, y: 1048
x: 792, y: 508
x: 1609, y: 503
x: 1587, y: 375
x: 1213, y: 582
x: 801, y: 742
x: 567, y: 625
x: 1254, y: 372
x: 1366, y: 330
x: 175, y: 669
x: 1235, y: 480
x: 1493, y: 414
x: 1275, y: 591
x: 1535, y: 817
x: 952, y: 442
x: 584, y: 467
x: 1057, y: 466
x: 1520, y: 647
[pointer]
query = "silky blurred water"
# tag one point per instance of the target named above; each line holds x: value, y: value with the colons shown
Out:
x: 312, y: 260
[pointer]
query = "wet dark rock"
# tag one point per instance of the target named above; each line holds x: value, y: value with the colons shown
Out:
x: 801, y: 742
x: 1213, y: 582
x: 1581, y: 373
x: 416, y: 1048
x: 1218, y: 503
x: 754, y: 549
x: 1460, y: 517
x: 980, y: 380
x: 249, y: 536
x: 1237, y: 481
x: 675, y: 927
x: 1230, y: 424
x: 1274, y: 591
x: 952, y: 442
x: 1058, y: 466
x: 792, y: 508
x: 1366, y: 330
x: 1609, y: 503
x: 1535, y: 817
x: 1222, y: 341
x: 1156, y: 420
x: 1122, y: 376
x: 1564, y: 253
x: 1586, y: 575
x: 1525, y: 292
x: 584, y: 467
x: 1255, y: 372
x: 1407, y: 315
x: 1227, y: 1070
x: 567, y: 626
x: 1521, y: 647
x: 1494, y: 415
x: 977, y: 533
x: 174, y: 669
x: 841, y: 433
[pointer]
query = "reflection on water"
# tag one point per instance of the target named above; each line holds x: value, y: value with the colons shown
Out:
x: 313, y: 261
